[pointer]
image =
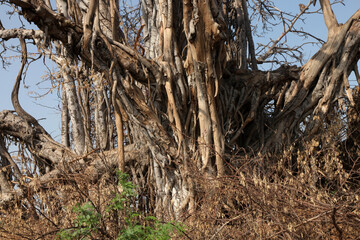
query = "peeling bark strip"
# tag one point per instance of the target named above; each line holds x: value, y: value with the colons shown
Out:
x: 189, y: 103
x: 119, y: 127
x: 205, y: 35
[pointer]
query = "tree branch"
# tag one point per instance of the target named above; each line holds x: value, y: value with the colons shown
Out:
x: 7, y: 34
x: 5, y: 154
x: 14, y: 94
x: 269, y: 52
x: 71, y: 35
x: 100, y: 164
x: 329, y: 16
x: 40, y: 144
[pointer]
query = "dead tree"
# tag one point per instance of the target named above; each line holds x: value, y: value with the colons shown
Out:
x: 181, y: 92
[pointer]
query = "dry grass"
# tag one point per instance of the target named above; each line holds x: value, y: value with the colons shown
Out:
x: 310, y: 191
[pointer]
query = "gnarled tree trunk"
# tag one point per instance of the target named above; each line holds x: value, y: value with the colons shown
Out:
x: 193, y: 97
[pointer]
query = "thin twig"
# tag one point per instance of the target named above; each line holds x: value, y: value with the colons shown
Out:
x: 307, y: 221
x: 222, y: 226
x: 269, y: 51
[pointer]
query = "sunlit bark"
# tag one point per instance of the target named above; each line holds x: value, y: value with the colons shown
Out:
x: 192, y: 99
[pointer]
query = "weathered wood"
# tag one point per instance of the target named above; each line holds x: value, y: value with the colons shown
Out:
x: 191, y: 99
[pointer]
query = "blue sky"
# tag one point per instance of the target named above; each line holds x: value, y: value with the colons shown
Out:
x: 47, y: 108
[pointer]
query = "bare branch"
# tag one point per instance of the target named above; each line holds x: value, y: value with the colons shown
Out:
x: 7, y: 34
x: 14, y: 95
x: 329, y: 16
x: 269, y: 52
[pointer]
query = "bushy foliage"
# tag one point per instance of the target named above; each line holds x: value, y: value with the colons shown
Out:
x: 89, y: 220
x: 86, y: 222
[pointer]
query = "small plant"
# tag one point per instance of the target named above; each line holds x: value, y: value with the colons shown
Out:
x: 87, y: 221
x: 136, y: 226
x: 153, y: 229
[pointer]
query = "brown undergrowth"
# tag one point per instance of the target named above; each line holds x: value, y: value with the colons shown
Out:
x: 310, y: 191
